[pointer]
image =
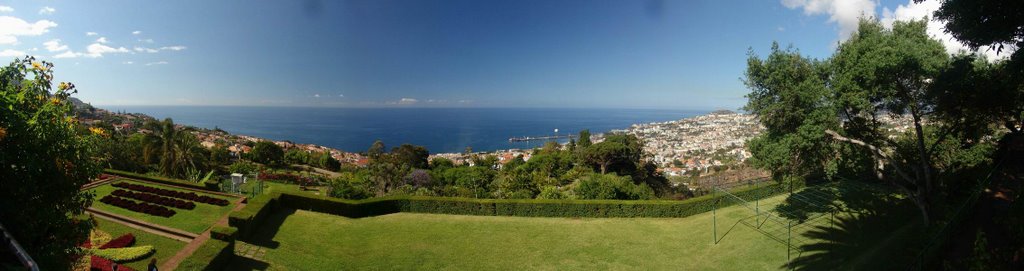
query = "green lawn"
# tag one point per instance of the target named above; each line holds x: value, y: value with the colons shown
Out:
x: 195, y: 221
x: 302, y: 240
x: 165, y: 247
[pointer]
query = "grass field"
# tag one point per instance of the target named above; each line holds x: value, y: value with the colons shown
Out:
x: 302, y: 240
x: 195, y: 221
x: 165, y: 247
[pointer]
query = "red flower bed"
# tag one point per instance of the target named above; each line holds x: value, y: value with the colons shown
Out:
x: 288, y: 178
x: 147, y: 197
x: 171, y: 193
x: 121, y: 241
x: 140, y: 207
x: 102, y: 264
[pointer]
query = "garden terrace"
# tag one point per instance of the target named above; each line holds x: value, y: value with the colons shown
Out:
x: 165, y: 247
x: 193, y: 221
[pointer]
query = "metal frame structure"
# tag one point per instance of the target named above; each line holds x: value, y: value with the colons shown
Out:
x: 780, y: 225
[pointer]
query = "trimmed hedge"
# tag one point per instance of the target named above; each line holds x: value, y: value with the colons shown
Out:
x: 162, y: 180
x: 223, y: 233
x: 212, y: 255
x: 254, y: 211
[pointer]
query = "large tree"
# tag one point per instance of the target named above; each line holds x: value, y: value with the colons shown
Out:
x: 998, y: 24
x: 160, y: 142
x: 790, y: 98
x: 267, y: 152
x: 43, y: 164
x: 881, y: 71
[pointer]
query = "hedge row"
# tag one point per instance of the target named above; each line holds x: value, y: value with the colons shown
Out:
x: 204, y: 186
x: 254, y: 211
x: 212, y: 255
x: 158, y: 200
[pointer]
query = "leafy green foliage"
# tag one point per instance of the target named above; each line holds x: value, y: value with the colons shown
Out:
x: 610, y: 186
x: 266, y: 152
x: 44, y: 163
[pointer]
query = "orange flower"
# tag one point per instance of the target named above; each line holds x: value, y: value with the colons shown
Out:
x: 97, y: 131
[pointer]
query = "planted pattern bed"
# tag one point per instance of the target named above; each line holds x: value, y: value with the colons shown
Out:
x: 171, y: 193
x: 179, y: 208
x: 140, y: 207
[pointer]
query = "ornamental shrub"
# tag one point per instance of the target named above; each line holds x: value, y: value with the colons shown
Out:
x: 124, y: 254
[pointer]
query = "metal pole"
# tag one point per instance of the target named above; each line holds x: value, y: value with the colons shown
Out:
x: 789, y: 238
x: 714, y: 215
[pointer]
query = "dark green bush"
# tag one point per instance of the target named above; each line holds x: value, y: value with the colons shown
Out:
x: 253, y: 213
x: 223, y: 233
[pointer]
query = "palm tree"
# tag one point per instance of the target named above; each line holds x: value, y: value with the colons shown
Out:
x: 162, y: 142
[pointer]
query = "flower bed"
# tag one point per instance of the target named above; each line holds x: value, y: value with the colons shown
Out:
x: 140, y: 207
x: 171, y: 193
x: 288, y: 178
x: 122, y: 241
x: 150, y: 198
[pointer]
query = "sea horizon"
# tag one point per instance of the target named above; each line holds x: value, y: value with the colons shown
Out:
x: 439, y: 129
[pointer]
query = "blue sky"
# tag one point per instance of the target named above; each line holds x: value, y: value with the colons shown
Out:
x: 382, y: 53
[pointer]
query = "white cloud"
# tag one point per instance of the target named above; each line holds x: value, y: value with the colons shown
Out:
x: 316, y: 95
x: 97, y: 50
x: 11, y: 53
x: 157, y: 63
x: 408, y: 101
x: 47, y: 10
x: 174, y: 48
x: 341, y: 95
x: 91, y: 33
x: 845, y: 13
x: 6, y: 9
x: 936, y: 28
x: 136, y: 32
x: 127, y: 62
x: 781, y: 29
x: 146, y: 40
x: 144, y: 49
x: 66, y: 54
x: 11, y: 28
x: 55, y: 46
x: 102, y: 40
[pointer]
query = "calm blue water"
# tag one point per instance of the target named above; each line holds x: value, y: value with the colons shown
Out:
x: 438, y: 129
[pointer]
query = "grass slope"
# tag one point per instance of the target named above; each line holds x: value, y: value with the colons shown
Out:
x: 194, y: 221
x: 302, y: 240
x: 165, y: 247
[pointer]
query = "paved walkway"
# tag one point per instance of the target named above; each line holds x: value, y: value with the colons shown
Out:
x: 173, y: 262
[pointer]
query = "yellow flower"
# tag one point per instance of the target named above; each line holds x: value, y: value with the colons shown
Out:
x: 62, y: 86
x: 97, y: 131
x: 38, y: 66
x: 55, y: 101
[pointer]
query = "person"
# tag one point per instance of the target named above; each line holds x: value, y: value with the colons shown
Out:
x: 152, y: 265
x: 113, y: 266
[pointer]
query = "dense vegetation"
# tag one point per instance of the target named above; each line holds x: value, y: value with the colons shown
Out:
x: 612, y: 169
x: 44, y: 160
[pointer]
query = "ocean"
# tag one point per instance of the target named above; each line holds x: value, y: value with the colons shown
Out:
x: 438, y: 129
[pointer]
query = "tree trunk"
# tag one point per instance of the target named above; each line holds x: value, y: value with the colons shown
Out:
x: 923, y: 152
x: 604, y: 168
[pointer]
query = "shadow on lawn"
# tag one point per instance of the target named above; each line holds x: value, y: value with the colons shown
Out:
x: 861, y: 241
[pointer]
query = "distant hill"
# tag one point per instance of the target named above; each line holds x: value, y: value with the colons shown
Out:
x: 722, y: 112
